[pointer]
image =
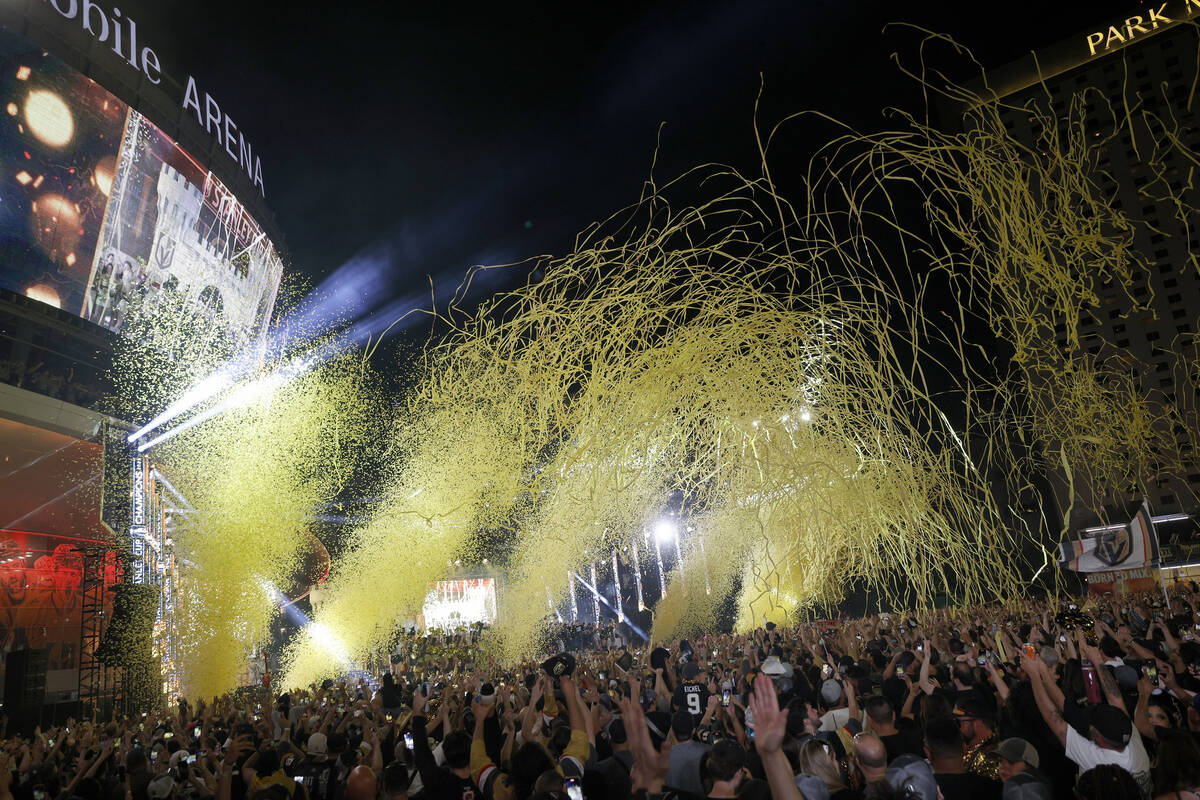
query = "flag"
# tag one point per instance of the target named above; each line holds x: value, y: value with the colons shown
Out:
x: 1114, y: 547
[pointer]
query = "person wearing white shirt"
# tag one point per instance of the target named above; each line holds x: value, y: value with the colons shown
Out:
x: 1112, y: 737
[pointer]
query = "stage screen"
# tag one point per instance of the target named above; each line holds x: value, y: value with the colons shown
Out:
x: 100, y: 211
x: 458, y: 603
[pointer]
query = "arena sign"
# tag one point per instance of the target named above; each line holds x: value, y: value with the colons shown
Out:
x: 120, y: 33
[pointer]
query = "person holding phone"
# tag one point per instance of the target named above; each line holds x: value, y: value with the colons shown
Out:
x: 317, y: 772
x: 452, y: 781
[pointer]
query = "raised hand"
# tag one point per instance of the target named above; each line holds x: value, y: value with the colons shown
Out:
x: 770, y: 722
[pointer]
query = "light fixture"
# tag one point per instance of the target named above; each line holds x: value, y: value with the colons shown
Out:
x: 665, y: 530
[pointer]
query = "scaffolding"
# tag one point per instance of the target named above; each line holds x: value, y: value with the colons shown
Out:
x: 99, y: 685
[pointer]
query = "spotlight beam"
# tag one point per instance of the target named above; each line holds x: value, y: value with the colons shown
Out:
x: 604, y: 600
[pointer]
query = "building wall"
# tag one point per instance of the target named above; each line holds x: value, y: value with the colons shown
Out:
x: 1154, y: 73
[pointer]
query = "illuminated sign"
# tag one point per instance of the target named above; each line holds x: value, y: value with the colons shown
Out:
x: 1137, y: 25
x: 120, y: 33
x: 104, y: 215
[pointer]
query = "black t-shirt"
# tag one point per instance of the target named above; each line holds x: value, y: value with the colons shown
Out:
x: 904, y: 741
x: 967, y: 786
x: 318, y: 777
x: 692, y: 697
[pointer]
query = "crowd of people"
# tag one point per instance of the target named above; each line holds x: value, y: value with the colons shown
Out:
x: 1034, y: 699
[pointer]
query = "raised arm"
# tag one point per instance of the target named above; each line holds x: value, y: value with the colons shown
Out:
x: 770, y: 727
x: 1053, y: 715
x: 1109, y: 684
x: 926, y: 684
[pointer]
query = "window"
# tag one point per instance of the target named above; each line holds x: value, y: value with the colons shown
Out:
x: 1151, y: 336
x: 1179, y: 313
x: 1174, y: 298
x: 1161, y: 366
x: 1165, y: 268
x: 1160, y: 252
x: 1167, y: 499
x: 1166, y: 383
x: 1122, y: 343
x: 1116, y: 312
x: 1193, y: 478
x: 1119, y: 327
x: 1171, y: 283
x: 1185, y: 328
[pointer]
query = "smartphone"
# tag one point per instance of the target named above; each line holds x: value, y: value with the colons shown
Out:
x: 982, y: 661
x: 190, y: 759
x: 574, y: 790
x: 1151, y: 672
x: 725, y: 698
x: 358, y: 712
x: 408, y: 740
x: 1030, y: 651
x: 196, y: 733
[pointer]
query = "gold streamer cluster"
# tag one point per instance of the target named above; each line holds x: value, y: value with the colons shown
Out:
x: 859, y: 389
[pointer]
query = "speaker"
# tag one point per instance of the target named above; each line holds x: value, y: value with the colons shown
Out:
x: 25, y: 687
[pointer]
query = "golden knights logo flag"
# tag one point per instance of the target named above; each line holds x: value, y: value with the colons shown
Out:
x: 1114, y: 547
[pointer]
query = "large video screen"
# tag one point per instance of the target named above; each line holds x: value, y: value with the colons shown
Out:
x: 459, y: 603
x: 101, y: 213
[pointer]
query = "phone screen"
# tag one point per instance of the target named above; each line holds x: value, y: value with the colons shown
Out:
x: 408, y: 740
x: 574, y: 791
x: 725, y: 698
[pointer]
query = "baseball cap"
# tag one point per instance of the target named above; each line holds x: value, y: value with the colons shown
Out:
x: 1026, y: 786
x: 831, y: 691
x: 177, y: 756
x: 659, y: 722
x: 559, y: 665
x: 971, y: 706
x: 160, y: 788
x: 1126, y: 676
x: 318, y: 745
x: 1113, y: 724
x: 690, y: 670
x: 772, y: 666
x: 1017, y: 749
x: 658, y: 657
x: 812, y: 788
x: 912, y: 774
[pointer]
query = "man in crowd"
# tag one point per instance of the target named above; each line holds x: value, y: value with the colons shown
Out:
x: 946, y: 749
x: 881, y: 718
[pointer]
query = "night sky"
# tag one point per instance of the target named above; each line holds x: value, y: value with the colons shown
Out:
x: 445, y: 135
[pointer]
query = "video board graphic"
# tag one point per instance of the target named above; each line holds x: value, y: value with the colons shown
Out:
x: 101, y: 211
x: 458, y: 603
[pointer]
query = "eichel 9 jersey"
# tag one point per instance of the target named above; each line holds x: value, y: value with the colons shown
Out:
x: 692, y: 697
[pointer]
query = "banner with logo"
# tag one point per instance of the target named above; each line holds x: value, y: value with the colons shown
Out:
x: 1114, y: 547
